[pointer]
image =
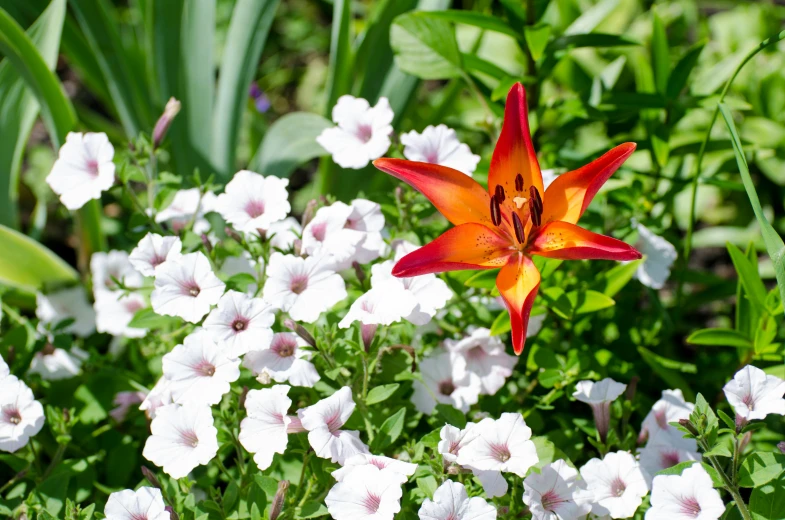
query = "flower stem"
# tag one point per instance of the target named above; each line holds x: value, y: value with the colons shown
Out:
x: 55, y: 460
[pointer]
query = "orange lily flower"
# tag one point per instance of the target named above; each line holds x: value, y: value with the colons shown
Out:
x: 515, y: 219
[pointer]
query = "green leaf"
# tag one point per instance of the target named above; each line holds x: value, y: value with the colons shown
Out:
x: 768, y: 502
x: 774, y: 244
x: 670, y: 371
x: 680, y: 467
x: 427, y: 485
x: 761, y: 467
x: 749, y: 277
x: 537, y: 37
x: 590, y: 40
x: 20, y: 108
x: 451, y: 415
x: 290, y: 142
x: 483, y: 279
x: 660, y: 58
x: 390, y: 430
x: 681, y: 72
x: 591, y: 17
x: 546, y: 450
x: 483, y: 21
x: 339, y: 73
x: 125, y: 85
x: 28, y: 265
x: 720, y: 338
x: 147, y: 319
x: 501, y: 324
x: 311, y: 509
x: 585, y: 302
x: 251, y: 21
x: 56, y: 108
x: 197, y: 70
x: 614, y: 280
x: 381, y: 393
x: 747, y: 316
x: 425, y: 47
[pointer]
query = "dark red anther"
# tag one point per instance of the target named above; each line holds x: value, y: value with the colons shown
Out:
x: 518, y: 225
x: 535, y: 203
x: 519, y: 182
x: 500, y: 195
x: 496, y: 212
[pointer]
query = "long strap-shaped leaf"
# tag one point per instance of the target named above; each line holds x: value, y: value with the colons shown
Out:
x: 20, y: 109
x: 28, y: 265
x: 774, y: 244
x: 251, y: 21
x: 56, y: 109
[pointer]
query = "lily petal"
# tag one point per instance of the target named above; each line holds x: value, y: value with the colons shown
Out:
x: 571, y: 242
x: 514, y: 153
x: 468, y: 246
x: 518, y: 283
x: 571, y: 193
x: 457, y: 196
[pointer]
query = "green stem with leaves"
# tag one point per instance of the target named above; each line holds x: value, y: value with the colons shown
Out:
x: 730, y: 485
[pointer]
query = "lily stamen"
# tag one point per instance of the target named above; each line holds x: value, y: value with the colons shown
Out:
x: 519, y: 183
x: 496, y: 212
x: 518, y: 226
x: 500, y: 195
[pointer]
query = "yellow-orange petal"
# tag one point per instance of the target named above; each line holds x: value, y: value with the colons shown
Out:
x: 456, y: 195
x: 518, y: 282
x: 514, y: 153
x: 571, y: 242
x: 468, y: 246
x: 570, y: 194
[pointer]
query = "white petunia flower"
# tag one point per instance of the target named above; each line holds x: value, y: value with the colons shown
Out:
x: 21, y: 416
x: 283, y: 233
x: 83, y: 169
x: 450, y: 445
x: 324, y: 421
x: 367, y: 493
x: 4, y: 370
x: 429, y: 291
x: 183, y: 437
x: 500, y: 445
x: 327, y: 235
x: 366, y: 218
x: 264, y: 431
x: 753, y: 394
x: 252, y: 202
x: 362, y: 134
x: 186, y: 287
x: 669, y: 408
x: 485, y: 357
x: 303, y: 287
x: 439, y: 145
x: 152, y: 251
x: 664, y: 452
x: 689, y: 496
x: 54, y: 364
x: 105, y: 268
x: 451, y: 502
x: 65, y: 304
x: 616, y: 485
x: 283, y: 361
x: 160, y: 395
x: 403, y: 469
x: 554, y: 493
x: 115, y: 310
x: 599, y: 395
x: 659, y: 256
x: 186, y: 206
x: 446, y: 381
x: 199, y: 370
x: 382, y: 305
x: 145, y: 503
x: 240, y: 323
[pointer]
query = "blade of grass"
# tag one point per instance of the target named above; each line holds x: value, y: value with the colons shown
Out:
x: 251, y: 21
x: 774, y: 244
x: 20, y: 108
x: 28, y: 265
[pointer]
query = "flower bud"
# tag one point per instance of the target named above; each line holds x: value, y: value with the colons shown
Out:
x: 234, y: 235
x: 172, y: 514
x: 741, y: 422
x: 264, y: 378
x: 368, y: 332
x: 163, y: 123
x: 300, y: 331
x: 206, y: 243
x: 687, y: 424
x: 781, y: 447
x: 310, y: 211
x: 150, y: 477
x: 278, y: 500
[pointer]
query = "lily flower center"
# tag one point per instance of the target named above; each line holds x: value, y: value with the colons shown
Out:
x: 533, y: 211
